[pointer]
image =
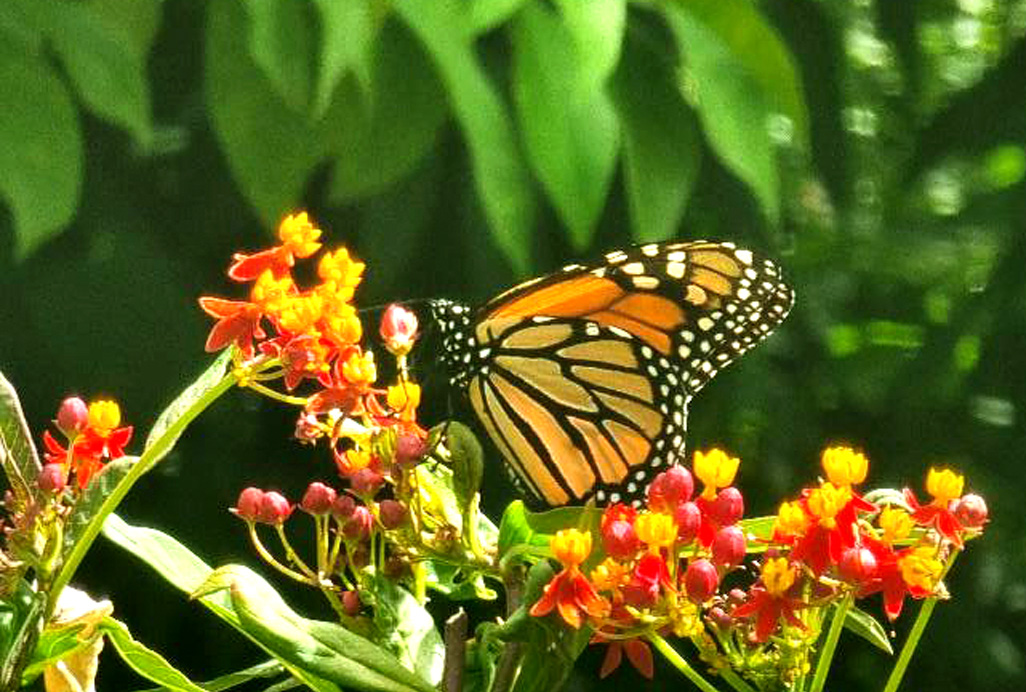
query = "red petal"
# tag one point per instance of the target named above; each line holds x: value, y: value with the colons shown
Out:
x: 547, y: 602
x: 221, y: 308
x: 55, y: 454
x: 250, y: 267
x: 117, y: 440
x: 640, y: 657
x: 614, y: 654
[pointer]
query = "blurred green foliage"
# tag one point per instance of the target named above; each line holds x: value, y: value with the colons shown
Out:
x: 877, y: 149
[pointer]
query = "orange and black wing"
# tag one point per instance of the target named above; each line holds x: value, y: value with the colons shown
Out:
x: 583, y: 378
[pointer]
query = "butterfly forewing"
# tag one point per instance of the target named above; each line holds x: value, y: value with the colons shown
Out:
x: 583, y: 378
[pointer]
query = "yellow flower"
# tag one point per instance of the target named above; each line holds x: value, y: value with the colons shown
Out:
x: 844, y: 466
x: 826, y: 501
x: 338, y: 318
x: 301, y: 313
x: 299, y: 235
x: 571, y: 547
x: 272, y: 294
x: 354, y: 460
x: 791, y: 520
x: 404, y: 398
x: 777, y: 576
x: 716, y: 469
x: 656, y: 530
x: 895, y: 523
x: 610, y: 575
x: 920, y: 568
x: 945, y: 485
x: 104, y: 415
x: 359, y: 369
x: 340, y: 271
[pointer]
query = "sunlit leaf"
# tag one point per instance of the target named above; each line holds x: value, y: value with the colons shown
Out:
x: 570, y: 132
x: 381, y: 132
x: 173, y: 414
x: 281, y: 43
x: 500, y: 177
x: 520, y: 527
x: 270, y: 150
x: 18, y: 455
x: 410, y: 630
x: 347, y: 44
x: 662, y: 149
x: 488, y: 14
x: 42, y: 197
x: 869, y: 628
x: 89, y: 505
x: 145, y: 661
x: 597, y: 29
x: 54, y: 644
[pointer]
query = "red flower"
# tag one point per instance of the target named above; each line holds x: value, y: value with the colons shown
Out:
x: 238, y: 323
x: 938, y: 516
x: 637, y: 652
x: 770, y: 601
x: 570, y: 592
x: 896, y: 575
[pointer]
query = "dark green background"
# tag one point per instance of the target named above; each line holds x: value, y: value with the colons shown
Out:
x: 902, y: 228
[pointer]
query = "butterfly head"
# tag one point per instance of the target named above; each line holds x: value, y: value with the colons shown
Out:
x: 454, y: 323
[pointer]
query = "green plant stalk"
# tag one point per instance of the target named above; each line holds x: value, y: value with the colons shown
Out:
x: 147, y: 461
x: 678, y: 662
x: 826, y: 654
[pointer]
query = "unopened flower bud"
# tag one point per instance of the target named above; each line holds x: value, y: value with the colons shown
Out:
x: 52, y: 478
x: 669, y: 489
x: 398, y: 329
x: 720, y: 618
x: 360, y: 523
x: 248, y: 505
x: 971, y: 511
x: 274, y: 508
x: 728, y: 547
x: 688, y: 519
x: 736, y: 597
x: 620, y: 539
x: 318, y: 499
x: 728, y: 507
x: 72, y: 416
x: 351, y: 604
x: 392, y: 514
x: 409, y: 449
x: 343, y: 507
x: 857, y: 565
x: 701, y: 580
x: 308, y: 428
x: 366, y: 482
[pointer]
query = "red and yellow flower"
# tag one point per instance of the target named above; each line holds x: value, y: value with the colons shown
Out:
x: 570, y: 592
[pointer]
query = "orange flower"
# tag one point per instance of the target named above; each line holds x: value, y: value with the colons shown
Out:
x: 238, y: 323
x: 570, y: 592
x: 101, y: 439
x: 716, y: 470
x: 404, y: 398
x: 339, y: 271
x: 299, y: 238
x: 298, y: 235
x: 358, y: 369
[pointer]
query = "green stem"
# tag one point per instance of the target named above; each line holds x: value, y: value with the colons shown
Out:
x: 826, y: 654
x: 153, y: 454
x: 735, y: 681
x: 909, y: 648
x: 678, y: 662
x: 278, y: 396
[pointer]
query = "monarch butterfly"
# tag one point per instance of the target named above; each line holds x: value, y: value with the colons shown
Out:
x: 583, y: 378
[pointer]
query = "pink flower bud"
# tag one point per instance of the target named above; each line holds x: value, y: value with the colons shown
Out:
x: 72, y: 416
x: 618, y: 535
x: 728, y: 547
x: 701, y: 580
x: 398, y: 329
x: 688, y: 518
x: 669, y: 489
x: 392, y: 514
x: 360, y: 523
x: 318, y: 499
x: 366, y: 482
x: 643, y: 588
x: 52, y: 478
x: 351, y: 603
x: 857, y: 565
x: 728, y: 507
x: 409, y: 449
x: 274, y: 508
x: 248, y: 505
x: 971, y: 511
x: 720, y: 618
x: 343, y: 507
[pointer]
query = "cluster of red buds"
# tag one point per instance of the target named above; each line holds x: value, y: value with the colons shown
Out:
x: 664, y: 568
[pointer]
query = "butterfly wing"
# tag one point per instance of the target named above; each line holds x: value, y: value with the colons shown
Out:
x: 583, y: 378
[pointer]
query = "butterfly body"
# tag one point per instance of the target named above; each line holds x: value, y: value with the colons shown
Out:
x: 583, y: 378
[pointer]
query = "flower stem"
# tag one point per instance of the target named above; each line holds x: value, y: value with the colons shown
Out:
x: 826, y: 654
x: 278, y: 396
x: 678, y: 662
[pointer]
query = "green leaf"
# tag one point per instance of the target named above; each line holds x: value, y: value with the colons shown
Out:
x: 133, y: 22
x: 760, y: 527
x: 21, y: 623
x: 535, y: 529
x: 347, y: 45
x: 324, y: 649
x: 185, y: 571
x: 260, y: 671
x: 869, y: 628
x: 108, y: 71
x: 380, y: 133
x: 280, y: 43
x: 88, y: 508
x: 488, y: 14
x: 569, y: 127
x: 410, y: 630
x: 41, y: 196
x: 143, y: 660
x: 270, y: 150
x: 597, y: 29
x: 662, y: 149
x: 171, y: 415
x: 54, y: 644
x: 18, y: 455
x: 456, y: 585
x: 500, y: 177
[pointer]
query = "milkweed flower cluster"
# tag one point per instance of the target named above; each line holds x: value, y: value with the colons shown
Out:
x: 679, y: 563
x: 94, y: 435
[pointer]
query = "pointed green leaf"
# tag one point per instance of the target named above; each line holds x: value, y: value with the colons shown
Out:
x: 500, y: 177
x: 145, y: 661
x: 570, y: 131
x: 379, y: 133
x: 172, y: 415
x: 488, y: 14
x: 597, y: 29
x: 347, y: 45
x: 869, y: 628
x: 18, y: 455
x: 269, y: 150
x: 54, y: 644
x: 520, y: 527
x: 410, y: 630
x: 42, y: 197
x: 280, y: 43
x: 662, y: 149
x: 88, y: 508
